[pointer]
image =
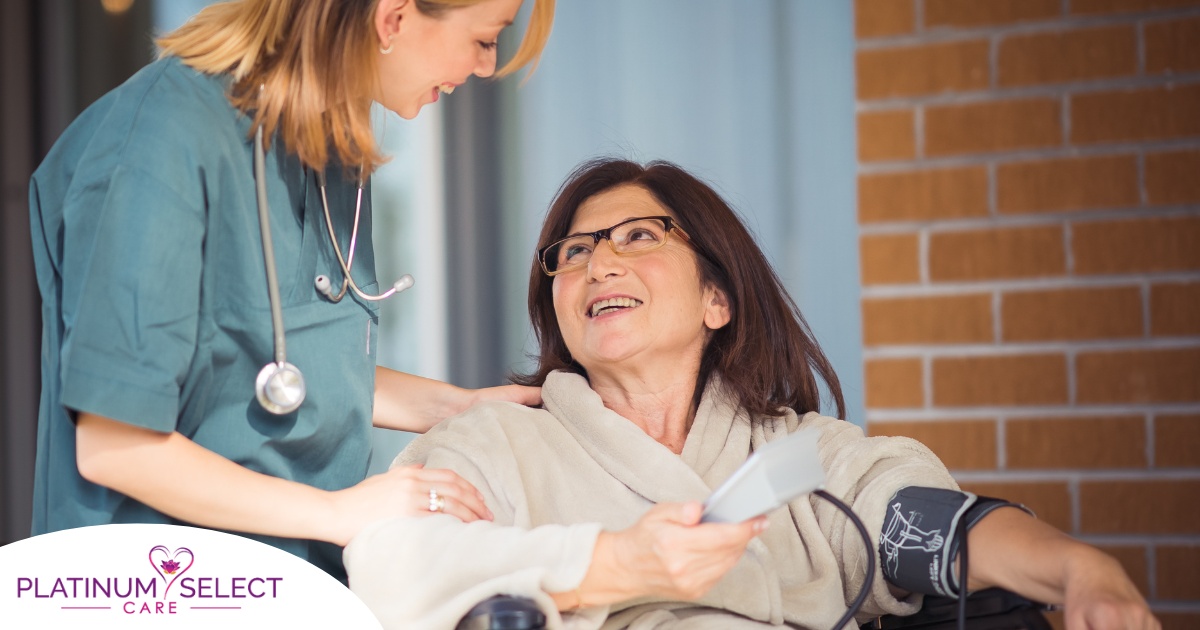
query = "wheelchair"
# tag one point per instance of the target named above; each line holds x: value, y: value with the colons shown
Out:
x: 989, y: 609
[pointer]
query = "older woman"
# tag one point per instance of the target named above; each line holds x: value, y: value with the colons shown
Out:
x: 670, y: 353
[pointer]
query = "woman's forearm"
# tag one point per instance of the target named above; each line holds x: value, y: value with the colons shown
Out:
x: 406, y: 402
x: 182, y: 479
x: 413, y: 403
x: 1012, y: 550
x: 605, y: 582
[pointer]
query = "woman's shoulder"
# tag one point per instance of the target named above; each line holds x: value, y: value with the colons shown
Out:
x: 179, y: 94
x: 486, y: 427
x: 166, y: 117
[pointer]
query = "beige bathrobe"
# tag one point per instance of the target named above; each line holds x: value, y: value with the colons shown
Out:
x: 563, y: 473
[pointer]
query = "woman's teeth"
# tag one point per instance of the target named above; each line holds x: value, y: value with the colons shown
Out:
x: 613, y: 304
x: 446, y: 89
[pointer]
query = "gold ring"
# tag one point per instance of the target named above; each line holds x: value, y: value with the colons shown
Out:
x: 436, y: 503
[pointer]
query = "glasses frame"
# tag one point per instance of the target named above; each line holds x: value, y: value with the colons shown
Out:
x: 669, y: 223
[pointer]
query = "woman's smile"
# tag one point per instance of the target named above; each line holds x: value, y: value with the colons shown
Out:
x: 605, y: 307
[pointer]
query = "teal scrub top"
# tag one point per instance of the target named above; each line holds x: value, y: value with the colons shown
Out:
x: 154, y: 298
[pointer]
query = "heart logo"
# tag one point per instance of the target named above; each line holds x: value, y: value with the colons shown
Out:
x: 169, y: 564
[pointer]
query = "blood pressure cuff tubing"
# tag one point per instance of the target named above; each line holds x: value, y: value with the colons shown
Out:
x: 921, y: 536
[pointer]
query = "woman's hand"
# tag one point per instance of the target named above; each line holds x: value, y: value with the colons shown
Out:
x: 1099, y: 596
x: 402, y: 491
x: 413, y: 403
x: 667, y: 554
x: 520, y: 394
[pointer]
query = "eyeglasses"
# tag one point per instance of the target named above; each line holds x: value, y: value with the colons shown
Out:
x: 632, y: 236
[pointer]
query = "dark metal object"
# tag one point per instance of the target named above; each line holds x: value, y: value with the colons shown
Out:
x: 504, y: 612
x: 989, y: 609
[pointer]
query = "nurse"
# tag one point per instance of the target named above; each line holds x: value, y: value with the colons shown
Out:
x: 150, y: 261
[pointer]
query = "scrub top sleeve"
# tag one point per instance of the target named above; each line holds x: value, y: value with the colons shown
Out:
x: 133, y: 259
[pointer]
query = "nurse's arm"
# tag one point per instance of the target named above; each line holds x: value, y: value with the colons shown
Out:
x: 182, y: 479
x: 413, y: 403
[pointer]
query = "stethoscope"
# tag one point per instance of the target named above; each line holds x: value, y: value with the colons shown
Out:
x: 280, y: 385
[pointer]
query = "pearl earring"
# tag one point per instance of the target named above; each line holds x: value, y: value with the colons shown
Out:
x: 388, y: 50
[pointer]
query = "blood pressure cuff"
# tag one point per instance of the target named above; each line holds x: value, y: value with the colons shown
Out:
x: 921, y: 536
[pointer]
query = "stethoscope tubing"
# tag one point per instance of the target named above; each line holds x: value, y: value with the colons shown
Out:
x: 343, y: 262
x: 264, y: 223
x: 280, y: 386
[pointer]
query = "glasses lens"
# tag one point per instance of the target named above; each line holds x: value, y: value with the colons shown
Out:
x: 569, y: 252
x: 639, y: 235
x: 635, y: 235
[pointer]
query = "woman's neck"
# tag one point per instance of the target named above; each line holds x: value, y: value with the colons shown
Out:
x: 662, y: 407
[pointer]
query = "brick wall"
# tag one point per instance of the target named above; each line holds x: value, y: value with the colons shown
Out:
x: 1029, y: 209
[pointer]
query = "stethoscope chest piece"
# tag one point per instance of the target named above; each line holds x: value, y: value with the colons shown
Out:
x: 280, y: 387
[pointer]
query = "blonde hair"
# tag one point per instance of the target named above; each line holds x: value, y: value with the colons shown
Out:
x: 307, y: 68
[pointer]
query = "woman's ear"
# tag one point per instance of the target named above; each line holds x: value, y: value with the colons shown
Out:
x: 716, y: 308
x: 388, y: 15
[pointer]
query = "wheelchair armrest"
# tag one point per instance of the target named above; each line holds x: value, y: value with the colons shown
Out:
x: 989, y: 609
x: 504, y: 612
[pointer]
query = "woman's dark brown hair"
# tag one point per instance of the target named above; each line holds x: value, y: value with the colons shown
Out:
x: 766, y: 354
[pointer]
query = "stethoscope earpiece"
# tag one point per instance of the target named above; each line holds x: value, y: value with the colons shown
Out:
x: 324, y: 286
x: 405, y: 282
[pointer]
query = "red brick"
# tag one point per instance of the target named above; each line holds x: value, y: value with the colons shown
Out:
x: 1067, y: 184
x: 960, y: 444
x: 1069, y: 314
x: 894, y: 383
x: 1171, y: 46
x: 1091, y: 7
x: 993, y: 254
x: 928, y: 320
x: 957, y: 13
x: 879, y: 18
x: 1140, y: 507
x: 1126, y: 376
x: 1178, y: 571
x: 1149, y: 114
x: 1133, y: 560
x: 1177, y: 441
x: 992, y: 126
x: 1060, y: 56
x: 925, y: 69
x: 1039, y: 379
x: 1173, y: 177
x: 1137, y: 245
x: 1175, y: 309
x: 1057, y: 443
x: 921, y: 195
x: 886, y: 135
x: 890, y: 259
x: 1050, y: 501
x: 1172, y: 620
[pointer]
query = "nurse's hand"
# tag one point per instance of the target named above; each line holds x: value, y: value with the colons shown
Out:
x: 520, y: 394
x: 413, y: 403
x: 403, y: 491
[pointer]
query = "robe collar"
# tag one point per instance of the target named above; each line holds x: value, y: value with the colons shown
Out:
x: 719, y: 440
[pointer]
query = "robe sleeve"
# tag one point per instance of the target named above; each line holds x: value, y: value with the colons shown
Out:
x: 429, y: 572
x: 864, y: 472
